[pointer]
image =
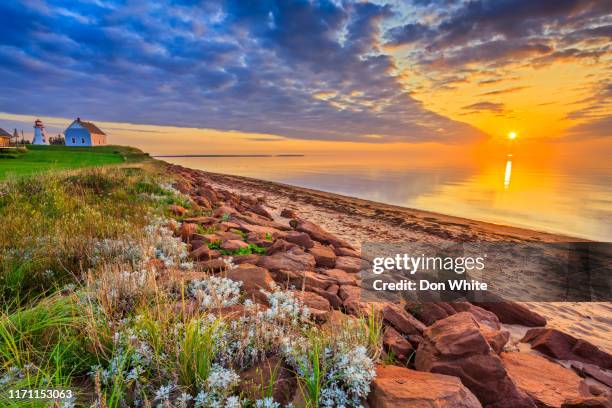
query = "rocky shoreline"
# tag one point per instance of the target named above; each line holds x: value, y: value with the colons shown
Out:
x: 443, y: 354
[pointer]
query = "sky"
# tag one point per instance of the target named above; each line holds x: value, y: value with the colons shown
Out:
x: 215, y: 76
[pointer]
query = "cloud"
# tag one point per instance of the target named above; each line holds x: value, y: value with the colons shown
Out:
x: 504, y: 91
x: 485, y: 106
x: 230, y: 65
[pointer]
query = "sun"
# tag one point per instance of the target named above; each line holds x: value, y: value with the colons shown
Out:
x: 512, y: 135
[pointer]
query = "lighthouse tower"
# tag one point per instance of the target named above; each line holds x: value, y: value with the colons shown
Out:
x: 39, y: 133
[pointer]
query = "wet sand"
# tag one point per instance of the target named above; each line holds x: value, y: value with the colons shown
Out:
x: 357, y: 220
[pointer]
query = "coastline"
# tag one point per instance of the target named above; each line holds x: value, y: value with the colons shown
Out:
x: 356, y: 220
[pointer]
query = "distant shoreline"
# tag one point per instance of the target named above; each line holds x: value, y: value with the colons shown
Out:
x: 228, y: 155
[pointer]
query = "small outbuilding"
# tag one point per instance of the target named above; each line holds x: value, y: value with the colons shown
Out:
x: 5, y: 138
x: 81, y: 133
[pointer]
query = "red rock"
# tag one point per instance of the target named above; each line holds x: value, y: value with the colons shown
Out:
x: 403, y: 321
x: 208, y: 238
x: 456, y: 346
x: 399, y: 387
x: 204, y: 253
x: 293, y: 260
x: 547, y: 383
x: 481, y: 315
x: 249, y: 258
x: 280, y: 245
x: 302, y: 279
x: 288, y: 213
x: 187, y: 230
x: 209, y: 193
x: 201, y: 220
x: 347, y: 252
x: 324, y: 256
x: 394, y: 342
x: 212, y: 266
x: 319, y: 306
x: 318, y: 234
x: 233, y: 245
x: 229, y: 235
x: 203, y: 202
x: 340, y: 276
x: 430, y: 312
x: 331, y: 295
x: 253, y: 279
x: 260, y: 210
x: 258, y: 229
x: 177, y: 209
x: 497, y: 339
x: 347, y: 292
x: 562, y: 346
x: 588, y: 402
x: 349, y: 264
x: 224, y: 211
x: 513, y: 313
x: 259, y: 377
x: 299, y: 238
x: 593, y: 371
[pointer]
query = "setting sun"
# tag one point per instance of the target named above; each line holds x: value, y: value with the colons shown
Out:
x: 512, y: 135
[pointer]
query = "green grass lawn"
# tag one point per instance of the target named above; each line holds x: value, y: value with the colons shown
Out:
x: 43, y: 158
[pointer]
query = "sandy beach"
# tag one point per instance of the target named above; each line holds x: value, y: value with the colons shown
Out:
x: 357, y: 220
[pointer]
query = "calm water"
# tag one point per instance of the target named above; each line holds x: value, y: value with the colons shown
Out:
x: 548, y: 195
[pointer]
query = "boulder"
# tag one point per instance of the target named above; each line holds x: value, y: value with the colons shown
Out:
x: 233, y: 245
x: 246, y: 259
x: 481, y: 315
x: 399, y: 387
x: 318, y: 234
x: 187, y: 230
x: 394, y: 343
x: 201, y: 220
x: 456, y: 346
x: 288, y: 213
x: 348, y: 263
x: 299, y: 238
x: 224, y: 211
x: 593, y: 371
x: 204, y: 253
x: 306, y: 280
x: 513, y: 313
x: 346, y: 252
x: 177, y: 210
x: 293, y: 260
x: 324, y: 256
x: 563, y: 346
x: 430, y: 312
x: 401, y: 320
x: 588, y: 402
x: 253, y: 279
x: 547, y: 383
x: 260, y: 210
x: 203, y: 202
x: 331, y: 294
x: 280, y: 245
x: 340, y: 276
x: 212, y: 266
x: 270, y: 372
x: 319, y: 306
x: 209, y: 193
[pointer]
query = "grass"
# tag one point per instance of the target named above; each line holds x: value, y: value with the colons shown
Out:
x: 44, y: 158
x: 85, y: 308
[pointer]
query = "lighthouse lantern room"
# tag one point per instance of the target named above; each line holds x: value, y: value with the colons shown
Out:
x: 40, y: 138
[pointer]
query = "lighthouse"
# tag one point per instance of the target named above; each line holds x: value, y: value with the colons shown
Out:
x: 39, y: 133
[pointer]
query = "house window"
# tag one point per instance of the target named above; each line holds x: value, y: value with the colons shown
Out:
x: 73, y: 140
x: 83, y: 140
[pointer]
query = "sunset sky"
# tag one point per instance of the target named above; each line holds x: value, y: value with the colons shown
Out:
x: 274, y: 74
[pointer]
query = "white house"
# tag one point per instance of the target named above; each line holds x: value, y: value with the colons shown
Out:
x: 81, y: 133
